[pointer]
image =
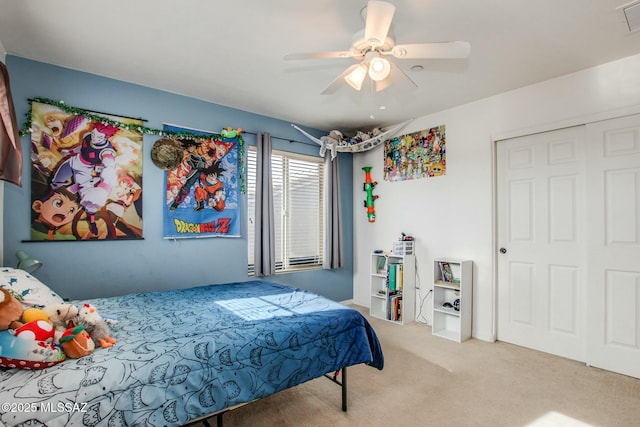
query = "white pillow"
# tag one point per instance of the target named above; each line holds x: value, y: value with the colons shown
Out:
x: 27, y: 289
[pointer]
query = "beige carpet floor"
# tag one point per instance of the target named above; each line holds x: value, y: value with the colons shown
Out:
x: 430, y: 381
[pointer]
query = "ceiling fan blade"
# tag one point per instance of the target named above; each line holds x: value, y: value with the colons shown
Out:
x: 383, y: 84
x: 395, y: 75
x: 379, y: 17
x: 457, y: 49
x: 321, y: 55
x: 402, y: 74
x: 338, y: 81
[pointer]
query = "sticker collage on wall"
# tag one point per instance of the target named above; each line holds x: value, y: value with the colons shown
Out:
x: 416, y: 155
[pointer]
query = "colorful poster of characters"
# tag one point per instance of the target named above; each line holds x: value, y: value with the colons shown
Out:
x: 202, y: 193
x: 416, y: 155
x: 86, y: 176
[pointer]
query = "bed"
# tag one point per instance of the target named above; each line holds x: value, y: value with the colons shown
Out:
x: 185, y: 355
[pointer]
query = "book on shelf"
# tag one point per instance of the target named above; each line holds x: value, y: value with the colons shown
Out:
x: 399, y: 272
x: 381, y: 264
x: 395, y: 307
x: 446, y: 272
x: 392, y: 276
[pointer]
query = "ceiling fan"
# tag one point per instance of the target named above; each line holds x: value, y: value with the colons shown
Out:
x: 373, y: 45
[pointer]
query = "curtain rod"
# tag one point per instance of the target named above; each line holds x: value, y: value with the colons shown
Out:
x: 97, y: 112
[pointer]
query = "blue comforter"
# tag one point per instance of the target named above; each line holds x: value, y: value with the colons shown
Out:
x: 187, y: 353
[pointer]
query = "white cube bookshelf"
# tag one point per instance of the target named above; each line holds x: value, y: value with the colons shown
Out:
x: 452, y: 298
x: 393, y: 301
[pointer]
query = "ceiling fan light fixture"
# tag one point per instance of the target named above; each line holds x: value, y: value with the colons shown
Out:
x: 356, y: 77
x: 379, y: 68
x: 373, y: 46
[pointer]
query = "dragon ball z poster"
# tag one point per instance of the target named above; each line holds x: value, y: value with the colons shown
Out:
x: 86, y: 176
x: 416, y: 155
x: 202, y: 193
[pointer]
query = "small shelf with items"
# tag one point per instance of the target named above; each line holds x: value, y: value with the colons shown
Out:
x: 392, y: 287
x: 452, y: 298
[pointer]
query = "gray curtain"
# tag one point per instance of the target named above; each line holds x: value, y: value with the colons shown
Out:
x: 264, y: 248
x: 10, y: 149
x: 333, y: 253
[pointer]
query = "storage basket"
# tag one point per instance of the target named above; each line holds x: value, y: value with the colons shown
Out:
x: 403, y: 247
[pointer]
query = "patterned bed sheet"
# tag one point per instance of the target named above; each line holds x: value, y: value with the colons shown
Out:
x: 186, y: 353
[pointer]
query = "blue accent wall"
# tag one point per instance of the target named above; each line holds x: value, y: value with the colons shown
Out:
x: 82, y: 270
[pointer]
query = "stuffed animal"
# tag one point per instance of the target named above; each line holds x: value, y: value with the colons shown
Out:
x: 33, y: 313
x: 96, y: 326
x: 76, y: 342
x: 10, y: 311
x: 61, y: 314
x: 30, y: 345
x: 230, y: 133
x: 37, y: 330
x: 331, y: 142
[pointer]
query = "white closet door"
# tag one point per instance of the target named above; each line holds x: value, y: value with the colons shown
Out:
x: 613, y: 201
x: 541, y: 218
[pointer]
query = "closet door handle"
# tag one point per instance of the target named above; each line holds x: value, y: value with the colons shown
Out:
x: 503, y: 250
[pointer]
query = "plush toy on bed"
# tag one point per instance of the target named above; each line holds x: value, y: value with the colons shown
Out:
x: 61, y: 314
x: 10, y: 311
x: 25, y: 345
x: 76, y: 342
x: 33, y: 313
x: 37, y: 330
x: 95, y: 325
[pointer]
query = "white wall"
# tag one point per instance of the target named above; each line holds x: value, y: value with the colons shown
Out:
x: 452, y: 215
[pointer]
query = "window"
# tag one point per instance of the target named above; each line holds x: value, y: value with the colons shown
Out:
x: 298, y: 199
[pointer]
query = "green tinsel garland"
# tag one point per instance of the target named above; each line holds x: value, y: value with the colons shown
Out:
x: 138, y: 128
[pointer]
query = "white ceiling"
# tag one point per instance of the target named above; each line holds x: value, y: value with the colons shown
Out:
x: 231, y: 52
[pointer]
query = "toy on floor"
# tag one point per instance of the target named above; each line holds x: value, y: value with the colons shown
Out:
x: 95, y: 325
x: 369, y: 185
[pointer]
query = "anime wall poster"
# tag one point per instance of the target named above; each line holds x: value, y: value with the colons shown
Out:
x: 202, y: 193
x: 416, y: 155
x: 86, y: 175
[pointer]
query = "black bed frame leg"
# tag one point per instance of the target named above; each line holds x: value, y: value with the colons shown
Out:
x: 218, y: 420
x: 344, y: 389
x: 342, y: 384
